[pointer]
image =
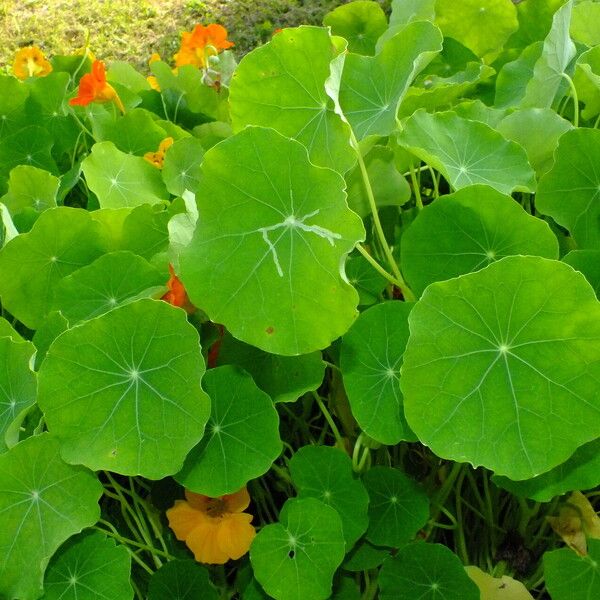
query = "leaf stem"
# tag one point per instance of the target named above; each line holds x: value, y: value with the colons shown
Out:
x: 575, y: 99
x: 416, y: 186
x: 329, y: 419
x: 378, y: 267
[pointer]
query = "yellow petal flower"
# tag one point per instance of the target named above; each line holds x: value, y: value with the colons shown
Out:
x: 31, y: 62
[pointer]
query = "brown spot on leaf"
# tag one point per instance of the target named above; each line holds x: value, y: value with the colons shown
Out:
x: 270, y: 329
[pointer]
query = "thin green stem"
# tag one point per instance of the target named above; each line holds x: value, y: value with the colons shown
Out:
x: 435, y: 181
x: 378, y: 267
x: 416, y: 187
x: 575, y: 99
x: 129, y: 542
x: 329, y: 419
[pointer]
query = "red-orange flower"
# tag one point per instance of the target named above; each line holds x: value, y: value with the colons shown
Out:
x: 30, y: 62
x: 93, y: 87
x: 177, y: 296
x: 214, y: 529
x: 157, y: 159
x: 200, y: 43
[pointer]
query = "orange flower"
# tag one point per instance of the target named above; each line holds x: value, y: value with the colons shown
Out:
x: 214, y: 529
x: 200, y: 43
x: 157, y: 158
x: 93, y: 87
x: 177, y: 296
x: 31, y: 62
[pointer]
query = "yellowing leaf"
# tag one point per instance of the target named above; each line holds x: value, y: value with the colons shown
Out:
x: 493, y: 588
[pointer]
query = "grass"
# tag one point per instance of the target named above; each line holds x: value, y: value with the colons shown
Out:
x: 132, y: 29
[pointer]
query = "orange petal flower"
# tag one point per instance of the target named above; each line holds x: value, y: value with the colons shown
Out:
x: 157, y: 158
x: 200, y: 43
x: 31, y: 62
x: 214, y: 529
x: 177, y: 296
x: 93, y: 87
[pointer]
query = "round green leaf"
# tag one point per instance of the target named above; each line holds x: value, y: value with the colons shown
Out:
x: 427, y: 572
x: 483, y: 27
x: 580, y: 472
x: 109, y: 281
x: 30, y: 187
x: 466, y: 231
x: 181, y: 170
x: 370, y: 361
x: 326, y: 473
x: 360, y: 22
x: 588, y: 263
x: 296, y: 558
x: 266, y: 254
x: 512, y: 80
x: 120, y: 179
x: 398, y: 507
x: 372, y: 87
x: 368, y: 282
x: 52, y: 326
x: 91, y: 566
x: 573, y: 577
x: 570, y: 191
x: 482, y: 156
x: 61, y: 240
x: 282, y: 85
x: 13, y: 94
x: 242, y: 435
x: 584, y: 23
x: 18, y: 385
x: 181, y: 580
x: 502, y: 365
x: 43, y: 501
x: 131, y: 381
x: 284, y: 378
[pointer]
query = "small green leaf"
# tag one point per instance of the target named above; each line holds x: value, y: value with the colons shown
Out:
x: 398, y: 507
x: 360, y: 22
x: 120, y: 179
x: 242, y: 436
x: 512, y: 80
x: 61, y: 240
x: 296, y: 558
x: 467, y: 152
x: 131, y: 380
x: 466, y: 231
x: 13, y: 95
x: 266, y: 254
x: 325, y: 473
x: 282, y: 85
x: 572, y: 577
x: 370, y: 361
x: 91, y: 566
x: 588, y: 263
x: 181, y: 170
x: 427, y: 572
x: 524, y: 323
x: 181, y: 580
x: 367, y: 281
x: 587, y: 81
x: 30, y: 187
x: 574, y: 173
x: 284, y: 378
x: 108, y: 282
x: 364, y: 556
x: 52, y: 326
x: 407, y: 11
x: 43, y: 501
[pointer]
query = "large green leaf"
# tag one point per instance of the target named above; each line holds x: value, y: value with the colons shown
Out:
x: 242, y: 435
x: 466, y: 231
x: 265, y: 257
x: 370, y: 361
x: 482, y: 26
x: 284, y: 378
x: 588, y: 262
x: 360, y: 22
x: 61, y: 240
x: 120, y: 179
x: 13, y: 95
x: 398, y: 507
x: 282, y: 85
x: 580, y: 472
x: 502, y: 366
x: 181, y: 580
x: 30, y: 187
x: 372, y: 87
x: 570, y: 191
x: 296, y: 558
x: 18, y: 385
x: 91, y: 566
x: 131, y: 381
x: 467, y: 152
x: 427, y: 572
x: 549, y: 70
x: 325, y: 473
x: 585, y: 22
x: 587, y: 81
x: 109, y: 281
x: 43, y: 501
x: 406, y: 11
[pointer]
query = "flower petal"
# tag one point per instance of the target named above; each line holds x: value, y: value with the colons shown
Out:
x: 237, y: 502
x: 235, y: 534
x: 203, y: 542
x: 183, y: 519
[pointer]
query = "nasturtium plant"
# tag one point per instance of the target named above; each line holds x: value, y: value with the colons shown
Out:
x: 325, y: 321
x: 122, y: 391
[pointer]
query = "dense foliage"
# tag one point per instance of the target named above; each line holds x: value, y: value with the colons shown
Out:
x: 325, y: 321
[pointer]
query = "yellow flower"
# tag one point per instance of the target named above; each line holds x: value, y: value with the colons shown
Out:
x: 151, y: 79
x: 31, y: 62
x: 214, y: 529
x: 157, y: 159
